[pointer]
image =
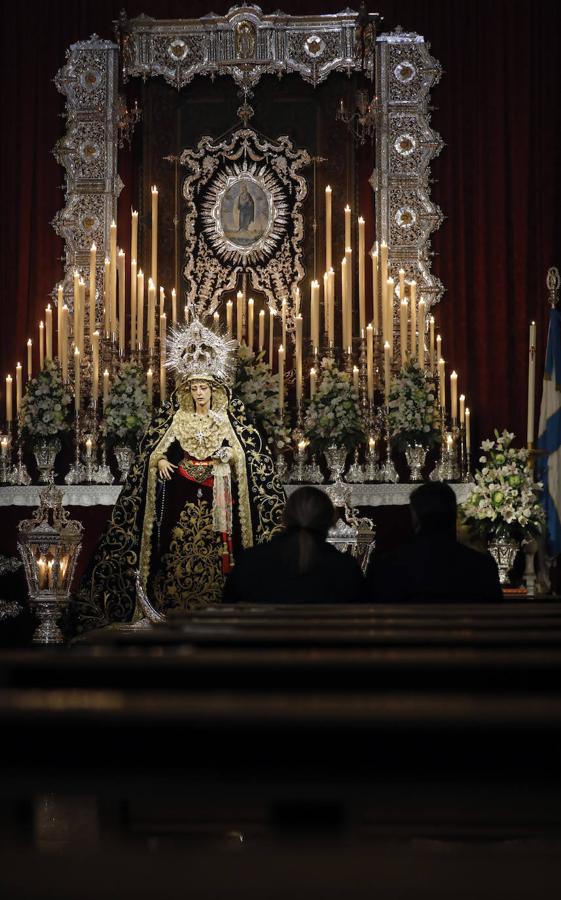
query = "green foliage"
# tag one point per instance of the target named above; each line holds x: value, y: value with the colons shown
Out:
x: 46, y: 406
x: 413, y: 409
x: 333, y: 413
x: 258, y: 389
x: 126, y: 411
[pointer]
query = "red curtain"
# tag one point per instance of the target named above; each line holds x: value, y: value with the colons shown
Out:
x: 498, y: 181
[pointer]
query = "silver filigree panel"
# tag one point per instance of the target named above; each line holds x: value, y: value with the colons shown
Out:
x: 88, y: 152
x: 405, y: 147
x: 244, y: 44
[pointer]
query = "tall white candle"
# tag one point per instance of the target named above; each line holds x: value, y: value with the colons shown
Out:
x: 65, y: 336
x: 239, y: 316
x: 431, y: 343
x: 229, y: 317
x: 250, y: 314
x: 531, y: 385
x: 361, y: 275
x: 122, y: 295
x: 95, y: 366
x: 355, y: 377
x: 442, y: 381
x: 154, y: 248
x: 387, y: 370
x: 281, y: 377
x: 313, y: 382
x: 314, y: 313
x: 413, y: 317
x: 9, y: 413
x: 271, y: 335
x: 349, y: 269
x: 59, y: 305
x: 348, y: 242
x: 375, y: 301
x: 331, y: 303
x: 163, y: 382
x: 421, y: 336
x: 48, y: 332
x: 390, y: 285
x: 150, y: 387
x: 462, y: 409
x: 468, y: 429
x: 173, y: 307
x: 30, y: 355
x: 283, y: 321
x: 93, y: 263
x: 19, y: 387
x: 107, y: 296
x: 403, y: 334
x: 140, y: 309
x: 454, y: 395
x: 370, y: 361
x: 41, y: 345
x: 77, y: 379
x: 105, y: 386
x: 298, y: 324
x: 134, y: 235
x: 134, y: 304
x: 151, y: 315
x: 113, y: 279
x: 344, y: 316
x: 328, y: 229
x: 261, y: 339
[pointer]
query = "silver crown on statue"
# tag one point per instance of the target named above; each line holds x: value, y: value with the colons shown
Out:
x: 196, y: 352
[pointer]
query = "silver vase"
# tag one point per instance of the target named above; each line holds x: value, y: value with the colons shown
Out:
x: 124, y: 456
x: 415, y: 456
x: 45, y: 453
x: 335, y: 457
x: 504, y: 553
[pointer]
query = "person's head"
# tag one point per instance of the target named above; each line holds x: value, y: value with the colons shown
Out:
x: 201, y: 392
x: 433, y: 509
x: 309, y: 509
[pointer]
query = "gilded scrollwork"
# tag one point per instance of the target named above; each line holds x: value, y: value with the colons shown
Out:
x: 243, y: 214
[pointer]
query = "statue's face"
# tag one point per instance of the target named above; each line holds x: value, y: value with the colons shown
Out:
x: 202, y: 394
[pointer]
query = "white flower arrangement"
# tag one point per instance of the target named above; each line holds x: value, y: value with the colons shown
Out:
x: 333, y: 416
x: 126, y: 411
x: 505, y: 502
x: 413, y: 409
x: 45, y: 408
x: 258, y: 389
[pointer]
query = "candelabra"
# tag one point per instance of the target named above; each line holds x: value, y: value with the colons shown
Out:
x: 387, y: 469
x: 76, y: 473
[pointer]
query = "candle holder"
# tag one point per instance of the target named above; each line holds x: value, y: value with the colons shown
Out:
x: 388, y: 471
x: 313, y: 473
x: 5, y: 458
x: 298, y: 472
x: 101, y: 474
x: 76, y: 473
x: 20, y: 475
x: 355, y: 474
x: 371, y: 469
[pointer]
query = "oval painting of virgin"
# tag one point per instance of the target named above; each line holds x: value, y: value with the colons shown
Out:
x: 244, y: 213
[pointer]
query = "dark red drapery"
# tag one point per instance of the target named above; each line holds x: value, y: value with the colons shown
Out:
x: 498, y: 180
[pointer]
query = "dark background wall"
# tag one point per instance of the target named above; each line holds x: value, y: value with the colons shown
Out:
x: 498, y: 180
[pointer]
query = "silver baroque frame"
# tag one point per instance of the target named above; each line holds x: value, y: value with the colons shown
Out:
x: 274, y: 259
x: 245, y: 44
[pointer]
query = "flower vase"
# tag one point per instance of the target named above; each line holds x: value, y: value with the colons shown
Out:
x: 45, y: 453
x: 504, y: 553
x: 415, y: 456
x: 335, y: 457
x: 124, y: 456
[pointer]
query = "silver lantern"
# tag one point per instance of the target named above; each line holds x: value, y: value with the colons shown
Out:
x: 49, y: 543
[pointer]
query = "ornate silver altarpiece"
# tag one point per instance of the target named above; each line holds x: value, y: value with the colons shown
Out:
x: 246, y: 45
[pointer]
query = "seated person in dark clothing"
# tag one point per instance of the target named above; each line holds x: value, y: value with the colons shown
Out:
x: 297, y: 566
x: 434, y: 567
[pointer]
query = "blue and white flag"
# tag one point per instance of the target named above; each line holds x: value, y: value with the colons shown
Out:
x: 549, y: 439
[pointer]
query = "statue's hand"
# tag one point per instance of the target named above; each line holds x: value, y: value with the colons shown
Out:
x: 165, y: 468
x: 223, y: 454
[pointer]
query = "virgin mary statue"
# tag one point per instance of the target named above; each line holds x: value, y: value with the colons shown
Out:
x: 201, y: 487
